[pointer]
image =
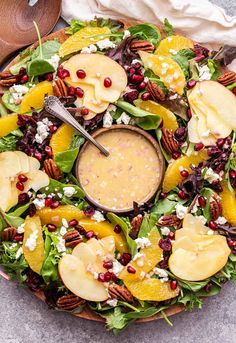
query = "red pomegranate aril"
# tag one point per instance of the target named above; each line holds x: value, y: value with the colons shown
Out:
x: 22, y: 178
x: 182, y: 195
x: 84, y: 111
x: 208, y: 287
x: 55, y: 204
x: 24, y: 79
x: 73, y: 223
x: 131, y: 70
x: 53, y: 128
x: 19, y: 238
x: 198, y: 146
x: 23, y: 198
x: 20, y: 186
x: 171, y: 235
x: 89, y: 211
x: 81, y: 73
x: 38, y: 155
x: 101, y: 277
x: 51, y: 227
x: 142, y: 85
x: 202, y: 201
x: 176, y: 155
x: 184, y: 173
x: 234, y: 90
x: 107, y: 82
x: 230, y: 242
x: 90, y: 234
x: 49, y: 76
x: 137, y: 78
x: 48, y: 202
x: 48, y: 151
x: 108, y: 265
x: 146, y: 96
x: 163, y: 195
x: 32, y: 210
x: 107, y: 277
x: 117, y: 229
x: 79, y: 92
x: 131, y: 270
x: 189, y: 113
x: 232, y: 174
x: 220, y: 142
x: 191, y: 84
x: 65, y: 73
x: 212, y: 225
x: 173, y: 284
x: 114, y: 277
x: 71, y: 90
x: 125, y: 259
x: 137, y: 65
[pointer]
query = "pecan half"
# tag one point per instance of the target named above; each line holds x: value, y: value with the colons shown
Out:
x: 120, y: 293
x: 72, y: 238
x: 135, y: 226
x: 227, y: 78
x: 169, y: 142
x: 143, y: 45
x: 7, y: 79
x: 169, y: 220
x: 215, y: 206
x: 155, y: 91
x: 52, y: 169
x: 9, y: 233
x: 59, y: 88
x: 69, y: 302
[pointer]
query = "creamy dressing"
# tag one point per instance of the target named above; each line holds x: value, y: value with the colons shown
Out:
x: 130, y: 173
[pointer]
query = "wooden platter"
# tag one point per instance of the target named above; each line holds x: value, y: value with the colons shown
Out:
x: 87, y: 313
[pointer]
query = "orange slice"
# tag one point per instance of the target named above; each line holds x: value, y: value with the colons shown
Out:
x: 228, y: 204
x: 62, y: 138
x: 35, y: 96
x: 8, y: 124
x: 54, y: 216
x: 172, y: 44
x: 82, y: 39
x: 169, y: 119
x: 167, y: 69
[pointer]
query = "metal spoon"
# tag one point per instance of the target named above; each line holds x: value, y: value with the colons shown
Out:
x: 55, y: 107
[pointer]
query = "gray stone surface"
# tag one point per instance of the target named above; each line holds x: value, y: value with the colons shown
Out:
x: 24, y: 319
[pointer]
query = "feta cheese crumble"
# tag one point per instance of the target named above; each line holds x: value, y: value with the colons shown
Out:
x: 105, y: 44
x: 60, y: 244
x: 211, y: 176
x: 89, y: 50
x: 126, y: 34
x: 17, y: 93
x: 20, y: 229
x: 19, y: 253
x: 69, y: 191
x: 165, y: 231
x: 112, y: 302
x: 54, y: 61
x: 98, y: 216
x: 124, y: 118
x: 117, y: 267
x: 204, y: 73
x: 220, y: 221
x: 107, y: 118
x: 142, y: 242
x: 31, y: 241
x: 181, y: 211
x: 42, y: 130
x: 39, y: 203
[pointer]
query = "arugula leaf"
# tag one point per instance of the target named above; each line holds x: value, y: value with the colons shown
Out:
x: 190, y: 300
x: 6, y: 102
x: 214, y: 69
x: 149, y: 221
x: 146, y: 31
x: 114, y: 219
x: 168, y: 28
x: 8, y: 143
x: 54, y: 184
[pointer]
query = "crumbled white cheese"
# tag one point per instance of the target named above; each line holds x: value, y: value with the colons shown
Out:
x: 202, y: 218
x: 195, y: 207
x: 107, y: 119
x: 221, y: 221
x: 19, y: 253
x: 63, y: 230
x: 89, y: 50
x: 13, y: 246
x: 160, y: 272
x: 181, y: 211
x: 117, y: 267
x: 206, y: 133
x: 164, y: 279
x: 98, y: 216
x: 165, y: 231
x: 112, y: 302
x: 54, y: 61
x: 20, y: 229
x: 42, y: 130
x: 204, y: 73
x: 210, y: 232
x: 134, y: 61
x: 126, y: 34
x: 142, y: 242
x: 105, y: 44
x: 173, y: 97
x: 39, y: 203
x: 69, y: 191
x: 60, y: 244
x: 124, y: 118
x: 17, y: 93
x: 65, y: 222
x: 211, y: 176
x: 31, y: 241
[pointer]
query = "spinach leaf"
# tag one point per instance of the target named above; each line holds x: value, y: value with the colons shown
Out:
x: 144, y: 119
x: 146, y: 31
x: 39, y: 66
x: 164, y: 206
x: 49, y: 270
x: 183, y: 63
x: 207, y: 193
x: 168, y: 28
x: 54, y: 184
x: 22, y: 63
x: 3, y: 111
x: 48, y: 48
x: 114, y: 219
x: 8, y: 143
x: 149, y: 221
x: 6, y: 102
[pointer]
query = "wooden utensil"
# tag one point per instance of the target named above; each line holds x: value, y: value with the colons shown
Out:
x: 16, y: 26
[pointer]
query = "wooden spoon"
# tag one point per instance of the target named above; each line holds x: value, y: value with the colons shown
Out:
x: 16, y: 26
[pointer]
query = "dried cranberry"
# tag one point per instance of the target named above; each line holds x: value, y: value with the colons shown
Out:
x: 173, y: 284
x: 107, y: 82
x: 73, y: 223
x: 137, y: 78
x: 180, y: 134
x: 146, y: 96
x: 199, y: 58
x: 131, y: 270
x: 22, y: 178
x: 202, y: 201
x: 20, y: 186
x: 191, y: 84
x: 51, y: 227
x: 212, y: 225
x: 216, y: 186
x: 198, y: 146
x: 48, y: 151
x: 23, y: 198
x: 171, y: 235
x: 79, y: 92
x: 81, y: 73
x: 71, y: 90
x: 101, y: 277
x: 84, y: 111
x: 107, y: 277
x: 182, y: 195
x: 55, y: 204
x: 163, y: 195
x: 165, y: 244
x: 142, y: 85
x: 176, y: 155
x: 32, y: 210
x: 53, y: 128
x: 89, y: 211
x: 48, y: 202
x: 184, y: 173
x: 213, y: 151
x: 38, y: 155
x: 230, y: 242
x: 24, y: 79
x: 131, y: 96
x: 108, y: 265
x: 90, y: 234
x: 19, y: 238
x: 117, y: 229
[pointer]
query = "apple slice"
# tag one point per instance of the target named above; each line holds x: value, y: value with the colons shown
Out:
x: 84, y: 252
x: 14, y: 195
x: 34, y: 164
x: 36, y: 180
x: 9, y: 164
x: 108, y: 243
x: 96, y: 247
x: 75, y: 277
x: 89, y: 100
x: 24, y: 161
x: 193, y: 134
x: 5, y: 193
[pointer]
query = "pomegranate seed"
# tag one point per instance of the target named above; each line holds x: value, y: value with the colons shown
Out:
x: 131, y: 70
x: 63, y: 73
x: 125, y: 259
x: 234, y: 90
x: 173, y: 284
x: 212, y: 225
x: 24, y: 79
x: 232, y: 174
x: 189, y: 113
x: 32, y: 210
x: 73, y: 222
x: 117, y: 229
x: 180, y: 134
x: 101, y: 277
x: 90, y: 234
x: 108, y: 265
x: 107, y: 277
x: 171, y: 235
x: 161, y: 123
x: 79, y: 92
x: 165, y: 244
x: 208, y: 287
x: 38, y: 155
x: 49, y: 76
x: 51, y: 227
x: 20, y: 186
x: 48, y: 151
x: 182, y: 195
x: 176, y: 155
x: 48, y: 202
x: 23, y: 198
x: 163, y: 195
x: 202, y: 201
x: 198, y: 146
x: 53, y: 128
x: 131, y: 96
x: 22, y: 178
x: 114, y: 277
x: 19, y: 238
x: 230, y: 242
x: 191, y: 84
x: 55, y: 204
x: 81, y: 73
x: 89, y: 211
x: 184, y: 173
x: 84, y: 111
x: 137, y: 65
x: 131, y: 270
x: 217, y: 186
x: 145, y: 96
x: 142, y: 86
x: 137, y: 78
x: 107, y: 82
x: 71, y: 90
x: 220, y: 142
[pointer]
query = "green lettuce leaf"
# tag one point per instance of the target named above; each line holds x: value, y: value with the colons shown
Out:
x: 146, y: 31
x: 168, y: 28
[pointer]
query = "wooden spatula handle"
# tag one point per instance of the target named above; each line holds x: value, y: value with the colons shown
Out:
x: 6, y: 50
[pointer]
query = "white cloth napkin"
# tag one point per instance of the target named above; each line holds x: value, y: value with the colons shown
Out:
x: 201, y: 20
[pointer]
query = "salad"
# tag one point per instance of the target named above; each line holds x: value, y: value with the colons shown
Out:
x: 173, y: 251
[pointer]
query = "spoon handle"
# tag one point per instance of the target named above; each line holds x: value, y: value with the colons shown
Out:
x: 56, y: 108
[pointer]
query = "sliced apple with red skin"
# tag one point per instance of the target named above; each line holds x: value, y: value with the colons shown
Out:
x: 80, y: 282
